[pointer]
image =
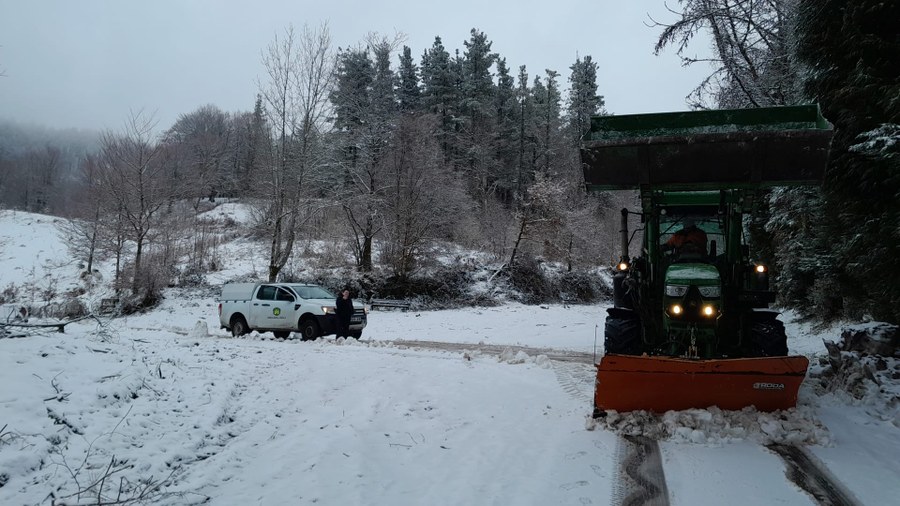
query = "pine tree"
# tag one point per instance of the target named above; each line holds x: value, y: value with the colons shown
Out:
x: 523, y: 97
x: 583, y: 99
x: 853, y: 52
x: 545, y: 126
x: 477, y: 126
x: 383, y: 83
x: 477, y: 81
x: 506, y: 112
x: 408, y: 91
x: 439, y: 91
x: 350, y: 97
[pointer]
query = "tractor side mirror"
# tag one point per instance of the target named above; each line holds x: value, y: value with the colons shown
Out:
x: 712, y: 249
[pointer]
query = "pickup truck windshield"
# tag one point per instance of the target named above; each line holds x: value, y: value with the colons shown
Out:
x: 312, y: 292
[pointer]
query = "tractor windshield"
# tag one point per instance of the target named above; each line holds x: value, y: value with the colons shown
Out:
x: 690, y: 230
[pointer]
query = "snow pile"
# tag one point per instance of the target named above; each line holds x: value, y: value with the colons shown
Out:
x: 229, y: 213
x: 796, y: 426
x: 863, y: 369
x: 521, y: 357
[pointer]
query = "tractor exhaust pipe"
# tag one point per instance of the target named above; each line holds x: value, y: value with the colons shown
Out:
x: 624, y: 232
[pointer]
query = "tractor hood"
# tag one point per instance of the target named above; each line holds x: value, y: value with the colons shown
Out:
x: 692, y: 274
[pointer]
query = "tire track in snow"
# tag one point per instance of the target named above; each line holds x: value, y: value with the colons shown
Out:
x: 497, y: 349
x: 811, y: 475
x: 641, y: 479
x: 575, y: 381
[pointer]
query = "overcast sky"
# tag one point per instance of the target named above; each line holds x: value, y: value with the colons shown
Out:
x: 87, y: 63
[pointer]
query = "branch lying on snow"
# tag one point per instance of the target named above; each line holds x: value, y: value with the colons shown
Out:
x: 5, y: 434
x: 59, y: 326
x: 104, y: 490
x: 498, y: 271
x: 103, y: 493
x: 28, y: 329
x: 60, y: 395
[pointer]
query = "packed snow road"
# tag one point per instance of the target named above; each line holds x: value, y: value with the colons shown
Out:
x: 168, y: 408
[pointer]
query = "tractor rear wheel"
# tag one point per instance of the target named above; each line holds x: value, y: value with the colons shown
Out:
x: 622, y: 335
x: 767, y: 336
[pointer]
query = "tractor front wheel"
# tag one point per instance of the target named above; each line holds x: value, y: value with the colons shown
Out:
x: 767, y: 336
x: 622, y: 335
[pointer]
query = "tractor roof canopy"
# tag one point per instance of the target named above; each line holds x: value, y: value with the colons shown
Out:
x: 712, y: 150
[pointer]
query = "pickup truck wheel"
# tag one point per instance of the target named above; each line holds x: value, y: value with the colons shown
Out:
x: 238, y: 326
x: 309, y: 330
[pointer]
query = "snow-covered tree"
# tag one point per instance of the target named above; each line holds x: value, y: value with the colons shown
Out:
x: 506, y: 111
x: 295, y: 96
x: 753, y: 57
x: 136, y: 188
x: 422, y: 197
x: 584, y: 101
x: 440, y: 94
x: 201, y: 145
x: 367, y: 110
x: 409, y: 94
x: 851, y: 49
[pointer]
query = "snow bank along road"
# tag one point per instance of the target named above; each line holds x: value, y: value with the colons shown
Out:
x: 169, y: 407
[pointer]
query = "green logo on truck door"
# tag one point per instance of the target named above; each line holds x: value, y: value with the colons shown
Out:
x: 276, y: 311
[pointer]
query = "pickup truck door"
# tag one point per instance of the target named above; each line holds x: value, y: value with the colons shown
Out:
x: 271, y: 308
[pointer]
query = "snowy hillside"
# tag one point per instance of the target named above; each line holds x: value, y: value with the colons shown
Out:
x: 166, y: 408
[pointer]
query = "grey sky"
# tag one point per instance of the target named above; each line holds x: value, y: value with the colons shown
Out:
x: 87, y: 63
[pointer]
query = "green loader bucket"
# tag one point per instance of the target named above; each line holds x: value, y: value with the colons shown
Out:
x: 712, y: 150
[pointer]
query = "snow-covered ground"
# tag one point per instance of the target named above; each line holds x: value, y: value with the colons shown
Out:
x: 168, y: 407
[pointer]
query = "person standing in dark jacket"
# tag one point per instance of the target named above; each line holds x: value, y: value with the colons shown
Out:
x: 343, y: 309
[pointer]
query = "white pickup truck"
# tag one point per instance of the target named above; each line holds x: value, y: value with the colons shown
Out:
x: 283, y: 308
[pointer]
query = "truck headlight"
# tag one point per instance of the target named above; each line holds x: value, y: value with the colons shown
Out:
x: 676, y: 290
x: 710, y: 292
x: 328, y: 309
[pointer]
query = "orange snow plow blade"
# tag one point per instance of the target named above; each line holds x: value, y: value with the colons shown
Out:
x: 659, y: 384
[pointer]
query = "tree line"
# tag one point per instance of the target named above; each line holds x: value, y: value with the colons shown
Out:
x: 369, y: 146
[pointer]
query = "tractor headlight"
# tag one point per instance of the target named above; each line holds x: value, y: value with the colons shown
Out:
x: 676, y: 309
x: 760, y: 269
x: 676, y: 290
x: 709, y: 310
x: 623, y: 266
x: 710, y: 292
x: 328, y: 309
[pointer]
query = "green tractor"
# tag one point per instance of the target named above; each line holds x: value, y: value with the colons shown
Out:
x: 690, y: 325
